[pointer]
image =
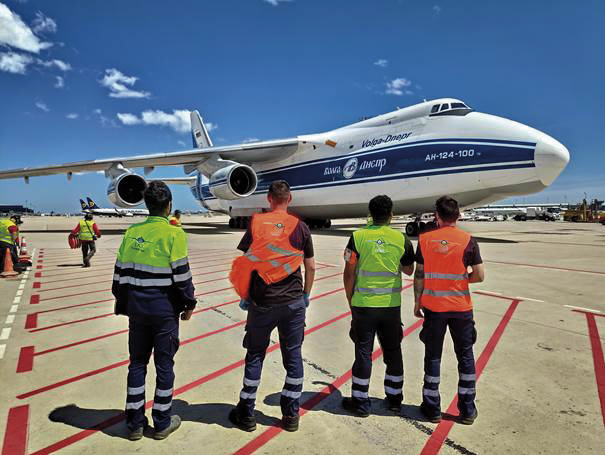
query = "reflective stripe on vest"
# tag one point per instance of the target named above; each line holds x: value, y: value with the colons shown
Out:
x: 86, y: 230
x: 446, y: 286
x: 378, y: 276
x: 5, y: 234
x: 271, y: 255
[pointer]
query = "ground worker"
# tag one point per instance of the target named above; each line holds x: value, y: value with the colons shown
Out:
x: 441, y: 289
x: 269, y: 281
x: 152, y: 285
x: 88, y: 233
x: 9, y: 238
x: 176, y: 219
x: 374, y: 259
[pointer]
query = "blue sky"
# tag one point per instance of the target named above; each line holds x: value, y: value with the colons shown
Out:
x: 88, y: 80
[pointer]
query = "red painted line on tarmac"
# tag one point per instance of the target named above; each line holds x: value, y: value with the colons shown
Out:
x: 39, y: 267
x: 589, y: 312
x: 17, y: 426
x: 37, y: 274
x: 548, y: 267
x: 597, y: 358
x: 36, y: 285
x: 308, y: 405
x: 31, y: 321
x: 204, y: 379
x: 74, y: 295
x: 63, y: 324
x: 75, y: 306
x: 118, y: 364
x: 26, y: 359
x: 435, y: 442
x: 34, y: 299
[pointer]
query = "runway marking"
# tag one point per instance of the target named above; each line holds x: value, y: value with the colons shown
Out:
x: 34, y: 299
x: 10, y: 319
x: 17, y: 300
x: 2, y: 350
x: 317, y: 398
x: 19, y: 292
x: 6, y: 332
x: 582, y: 308
x: 488, y: 292
x: 548, y: 267
x: 61, y: 444
x: 15, y: 437
x: 530, y: 299
x: 13, y: 309
x: 125, y: 362
x: 435, y: 442
x: 496, y: 295
x: 597, y: 358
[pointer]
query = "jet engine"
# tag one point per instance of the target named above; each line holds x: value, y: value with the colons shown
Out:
x: 126, y: 190
x: 233, y: 182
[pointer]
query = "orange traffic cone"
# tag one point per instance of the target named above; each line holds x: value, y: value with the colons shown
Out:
x: 8, y: 265
x: 23, y: 255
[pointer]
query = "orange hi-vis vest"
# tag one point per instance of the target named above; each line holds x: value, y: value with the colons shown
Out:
x: 271, y: 254
x: 445, y: 275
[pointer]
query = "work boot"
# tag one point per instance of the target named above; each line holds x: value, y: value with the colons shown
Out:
x: 468, y: 420
x: 290, y: 423
x: 137, y: 434
x: 350, y: 406
x: 430, y: 416
x: 394, y: 406
x: 175, y: 423
x: 247, y: 423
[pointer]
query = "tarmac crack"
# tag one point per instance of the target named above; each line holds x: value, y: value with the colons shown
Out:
x: 319, y: 368
x: 228, y: 316
x: 429, y: 431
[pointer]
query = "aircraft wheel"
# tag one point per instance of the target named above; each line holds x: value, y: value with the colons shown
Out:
x: 328, y: 224
x: 411, y: 229
x: 232, y: 223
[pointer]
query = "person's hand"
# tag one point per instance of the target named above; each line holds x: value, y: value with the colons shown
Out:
x: 306, y: 299
x: 186, y: 315
x: 418, y: 310
x: 244, y: 304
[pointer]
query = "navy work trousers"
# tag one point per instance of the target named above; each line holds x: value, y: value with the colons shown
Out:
x: 365, y: 325
x: 464, y: 335
x: 290, y: 322
x: 147, y: 333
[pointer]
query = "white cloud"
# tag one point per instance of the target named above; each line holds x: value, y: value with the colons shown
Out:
x: 60, y: 64
x: 14, y: 63
x: 60, y: 82
x: 119, y: 85
x: 42, y: 106
x: 104, y: 120
x: 436, y: 9
x: 178, y: 120
x: 72, y: 116
x: 44, y: 24
x: 14, y: 32
x: 250, y: 139
x: 276, y: 2
x: 181, y: 143
x: 398, y: 87
x: 383, y: 63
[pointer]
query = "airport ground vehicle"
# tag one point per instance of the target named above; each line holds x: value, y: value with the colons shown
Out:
x: 586, y: 213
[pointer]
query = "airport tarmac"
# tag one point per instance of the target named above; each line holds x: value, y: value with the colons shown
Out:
x: 540, y: 317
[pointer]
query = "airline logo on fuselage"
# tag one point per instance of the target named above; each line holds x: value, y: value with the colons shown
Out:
x: 383, y: 140
x: 352, y: 166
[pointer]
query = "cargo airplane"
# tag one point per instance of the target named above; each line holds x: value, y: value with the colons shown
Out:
x: 414, y: 155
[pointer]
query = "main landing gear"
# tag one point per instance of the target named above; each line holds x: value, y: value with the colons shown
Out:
x: 239, y: 222
x: 318, y: 224
x: 417, y: 227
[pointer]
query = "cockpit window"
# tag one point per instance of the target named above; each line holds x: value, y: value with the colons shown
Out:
x: 457, y: 108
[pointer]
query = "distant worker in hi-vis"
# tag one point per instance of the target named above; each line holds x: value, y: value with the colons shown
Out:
x: 175, y: 220
x: 269, y: 281
x: 152, y: 285
x: 374, y: 259
x: 88, y: 233
x: 441, y: 289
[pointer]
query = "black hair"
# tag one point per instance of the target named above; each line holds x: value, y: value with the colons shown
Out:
x: 157, y: 197
x: 88, y: 216
x: 279, y: 191
x: 381, y: 209
x: 177, y: 213
x: 447, y: 209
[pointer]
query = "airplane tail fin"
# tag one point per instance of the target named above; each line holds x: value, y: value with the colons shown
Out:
x: 92, y: 204
x: 83, y: 205
x: 199, y: 133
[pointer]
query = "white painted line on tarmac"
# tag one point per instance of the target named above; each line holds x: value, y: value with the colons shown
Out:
x: 6, y: 332
x: 489, y: 292
x: 19, y: 292
x: 25, y: 275
x: 530, y: 299
x: 10, y: 319
x: 22, y: 285
x: 17, y: 299
x: 582, y: 308
x: 2, y: 349
x: 13, y: 309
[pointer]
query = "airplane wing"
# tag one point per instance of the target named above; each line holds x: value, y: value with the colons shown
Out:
x: 188, y: 181
x: 249, y: 153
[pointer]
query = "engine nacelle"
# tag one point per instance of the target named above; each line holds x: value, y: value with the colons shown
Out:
x: 233, y: 182
x: 126, y: 190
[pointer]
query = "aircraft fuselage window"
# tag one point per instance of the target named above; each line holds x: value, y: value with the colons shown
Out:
x: 458, y: 105
x: 445, y: 106
x: 435, y: 108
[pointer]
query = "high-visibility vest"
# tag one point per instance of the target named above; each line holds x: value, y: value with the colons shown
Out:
x: 175, y: 221
x: 446, y: 286
x: 378, y: 275
x: 271, y: 255
x: 86, y: 230
x: 5, y: 234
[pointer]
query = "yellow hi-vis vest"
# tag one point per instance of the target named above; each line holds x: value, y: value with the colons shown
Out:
x: 5, y: 235
x: 86, y: 231
x: 378, y: 280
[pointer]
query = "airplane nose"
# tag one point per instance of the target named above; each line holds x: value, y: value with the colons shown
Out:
x: 551, y: 157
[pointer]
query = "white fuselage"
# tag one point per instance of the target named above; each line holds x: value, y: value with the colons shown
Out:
x: 413, y: 157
